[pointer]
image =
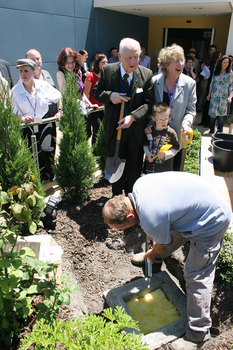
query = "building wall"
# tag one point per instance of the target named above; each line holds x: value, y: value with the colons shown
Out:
x: 50, y: 25
x: 157, y: 25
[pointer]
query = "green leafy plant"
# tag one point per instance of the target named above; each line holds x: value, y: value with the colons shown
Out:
x: 15, y: 156
x: 192, y: 164
x: 18, y: 268
x: 225, y: 260
x: 91, y: 333
x: 100, y: 148
x: 75, y: 166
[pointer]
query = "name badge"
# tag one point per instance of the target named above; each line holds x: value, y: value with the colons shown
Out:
x: 149, y: 137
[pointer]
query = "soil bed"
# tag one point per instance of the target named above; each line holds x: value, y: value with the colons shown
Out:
x: 99, y: 259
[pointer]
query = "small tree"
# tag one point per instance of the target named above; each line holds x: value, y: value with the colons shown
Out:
x: 100, y: 148
x: 75, y: 166
x: 16, y: 161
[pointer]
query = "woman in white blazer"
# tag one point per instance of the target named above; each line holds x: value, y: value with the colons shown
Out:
x: 177, y: 90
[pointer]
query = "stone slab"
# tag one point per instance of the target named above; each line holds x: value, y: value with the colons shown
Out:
x: 44, y: 242
x: 35, y: 246
x: 138, y: 288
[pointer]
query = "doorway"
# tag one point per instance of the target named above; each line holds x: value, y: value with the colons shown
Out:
x: 200, y: 39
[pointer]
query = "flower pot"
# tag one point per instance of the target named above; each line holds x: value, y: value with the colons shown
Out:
x: 221, y: 136
x: 223, y: 155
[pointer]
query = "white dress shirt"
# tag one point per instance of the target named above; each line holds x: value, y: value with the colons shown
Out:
x: 35, y: 105
x: 130, y: 77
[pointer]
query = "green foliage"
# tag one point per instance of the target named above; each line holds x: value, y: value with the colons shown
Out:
x: 100, y: 148
x: 225, y: 260
x: 91, y: 333
x: 17, y: 269
x: 75, y: 167
x: 192, y: 164
x: 15, y: 156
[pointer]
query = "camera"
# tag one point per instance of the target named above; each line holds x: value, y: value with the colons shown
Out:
x: 49, y: 220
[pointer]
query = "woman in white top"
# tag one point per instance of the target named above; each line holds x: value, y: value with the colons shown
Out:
x: 31, y: 98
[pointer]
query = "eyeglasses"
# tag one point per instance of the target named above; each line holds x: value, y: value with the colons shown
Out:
x: 163, y: 120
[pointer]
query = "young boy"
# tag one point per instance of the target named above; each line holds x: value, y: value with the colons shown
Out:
x: 161, y: 134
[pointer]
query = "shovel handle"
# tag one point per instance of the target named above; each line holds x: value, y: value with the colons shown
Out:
x: 184, y: 141
x: 121, y: 116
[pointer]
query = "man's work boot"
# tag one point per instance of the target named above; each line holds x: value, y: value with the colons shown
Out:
x: 138, y: 259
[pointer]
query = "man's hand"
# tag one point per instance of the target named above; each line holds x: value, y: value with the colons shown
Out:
x: 148, y: 128
x: 116, y: 97
x: 157, y: 249
x: 125, y: 122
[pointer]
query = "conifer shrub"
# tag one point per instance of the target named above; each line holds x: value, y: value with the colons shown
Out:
x: 16, y: 160
x: 75, y: 166
x: 100, y: 148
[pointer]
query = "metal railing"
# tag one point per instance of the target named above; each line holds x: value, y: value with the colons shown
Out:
x: 33, y: 136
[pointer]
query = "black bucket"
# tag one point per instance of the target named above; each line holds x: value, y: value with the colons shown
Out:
x: 223, y: 155
x: 222, y: 136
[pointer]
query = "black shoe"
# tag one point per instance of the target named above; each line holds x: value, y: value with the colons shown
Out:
x: 51, y: 177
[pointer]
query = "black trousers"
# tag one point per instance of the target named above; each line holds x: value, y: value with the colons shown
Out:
x: 132, y: 152
x: 96, y: 119
x: 46, y: 143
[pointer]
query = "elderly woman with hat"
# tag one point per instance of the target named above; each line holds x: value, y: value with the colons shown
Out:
x: 31, y: 98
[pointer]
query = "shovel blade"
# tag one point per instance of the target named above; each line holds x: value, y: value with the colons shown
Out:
x: 114, y: 168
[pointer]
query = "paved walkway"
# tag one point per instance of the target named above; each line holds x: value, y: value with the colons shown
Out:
x: 222, y: 181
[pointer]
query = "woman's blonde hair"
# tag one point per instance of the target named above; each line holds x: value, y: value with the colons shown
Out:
x: 168, y: 54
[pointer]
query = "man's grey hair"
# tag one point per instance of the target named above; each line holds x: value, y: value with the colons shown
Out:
x: 130, y: 44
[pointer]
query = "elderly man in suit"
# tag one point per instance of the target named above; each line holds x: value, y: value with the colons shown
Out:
x: 5, y: 72
x: 118, y: 81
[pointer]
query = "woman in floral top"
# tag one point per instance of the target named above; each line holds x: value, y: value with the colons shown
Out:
x: 220, y: 93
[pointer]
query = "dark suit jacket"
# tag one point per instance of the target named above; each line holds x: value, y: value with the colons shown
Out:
x: 6, y: 72
x: 140, y: 104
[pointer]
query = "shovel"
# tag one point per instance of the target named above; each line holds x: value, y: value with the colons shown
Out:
x: 185, y: 140
x: 114, y: 166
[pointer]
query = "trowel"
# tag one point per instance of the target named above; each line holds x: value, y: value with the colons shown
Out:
x: 148, y: 265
